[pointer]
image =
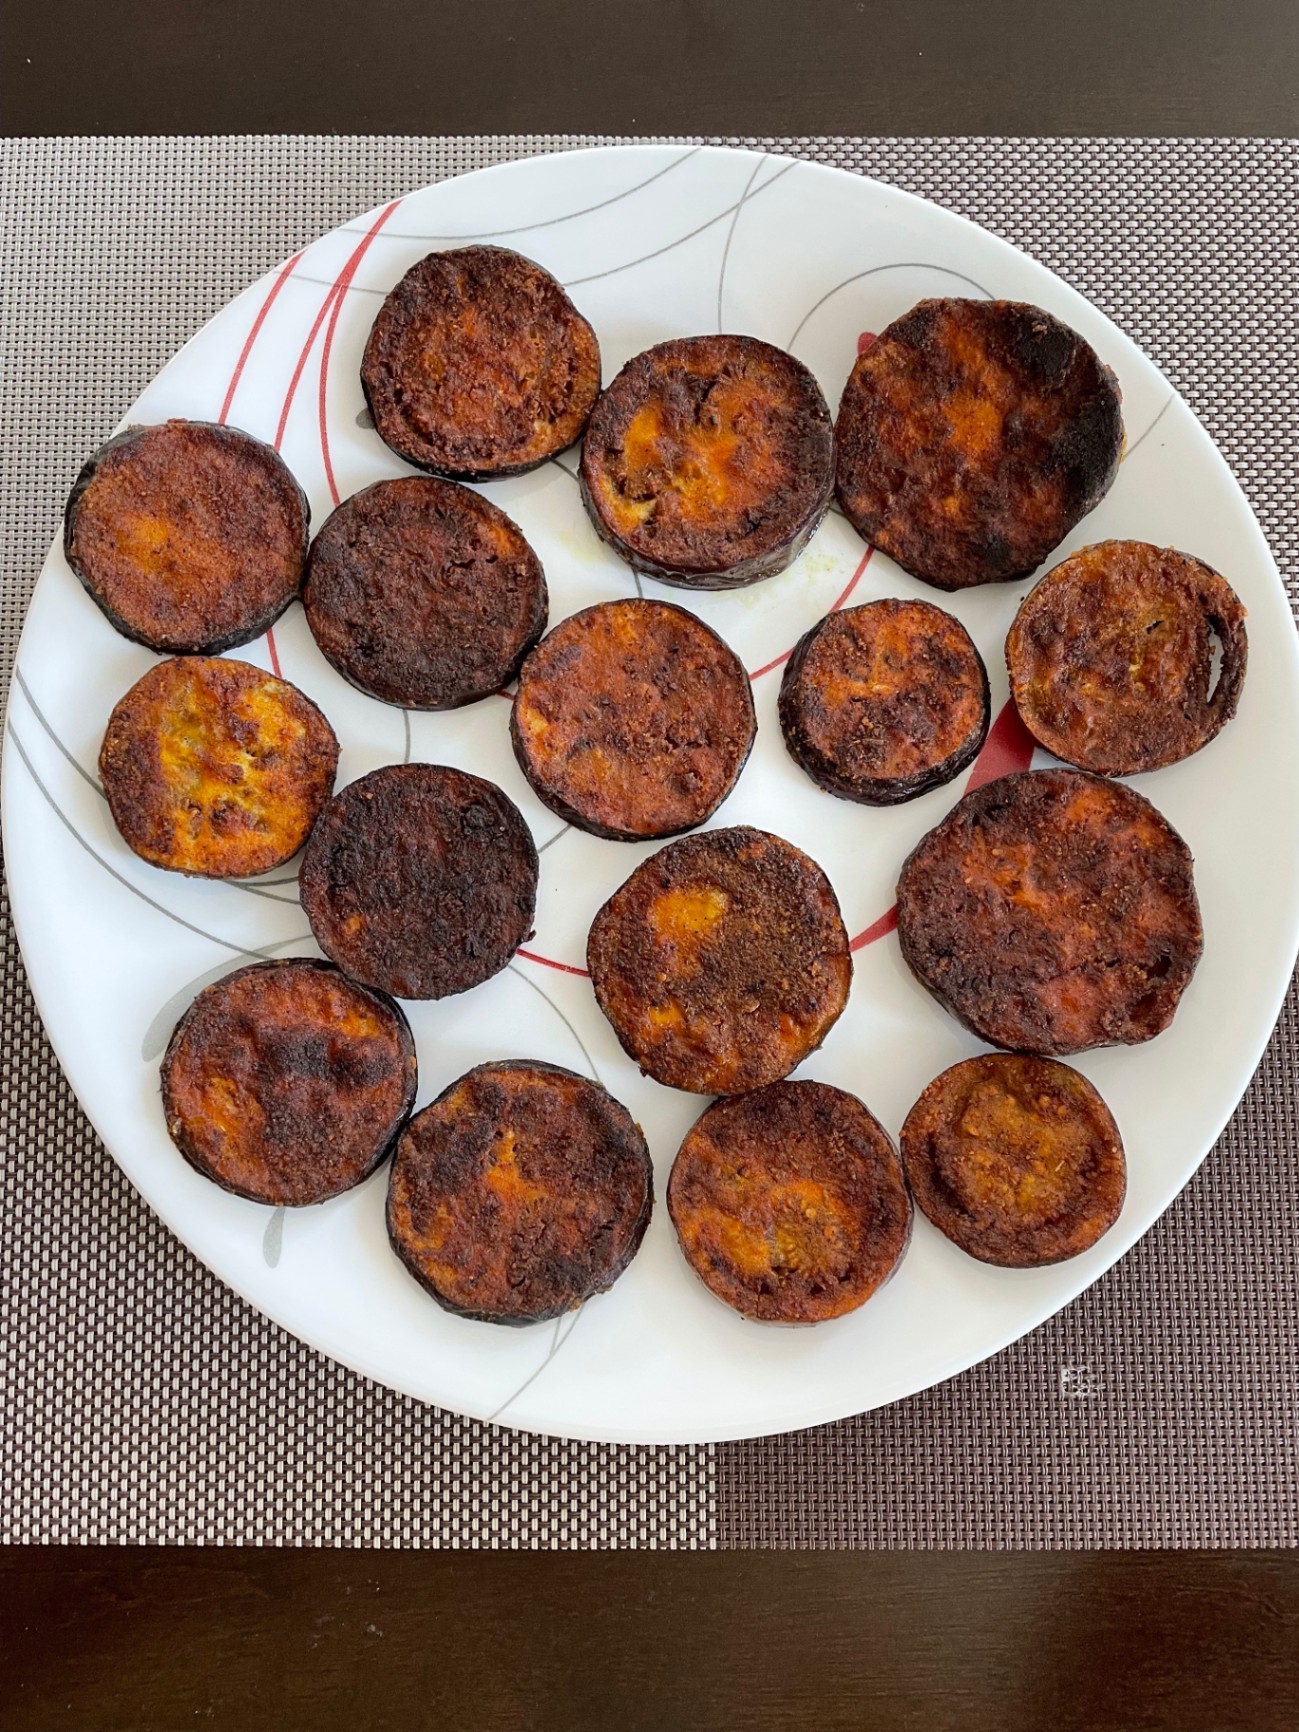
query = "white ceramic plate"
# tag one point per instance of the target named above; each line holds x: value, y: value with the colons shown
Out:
x: 653, y: 243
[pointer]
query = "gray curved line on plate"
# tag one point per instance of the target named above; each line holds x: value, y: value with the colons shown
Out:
x: 273, y: 1238
x: 405, y: 717
x: 542, y: 993
x: 40, y: 717
x: 613, y: 270
x: 1172, y: 398
x: 550, y: 843
x: 234, y: 883
x: 730, y: 236
x: 527, y: 1383
x: 549, y: 223
x: 225, y: 943
x: 159, y: 1030
x: 875, y: 271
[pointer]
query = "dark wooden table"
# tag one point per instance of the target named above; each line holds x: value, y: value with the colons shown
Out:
x: 139, y: 1639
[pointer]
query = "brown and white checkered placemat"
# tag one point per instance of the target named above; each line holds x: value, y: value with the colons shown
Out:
x: 140, y: 1401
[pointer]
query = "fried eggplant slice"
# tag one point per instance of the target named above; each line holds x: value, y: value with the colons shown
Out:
x: 972, y: 437
x: 789, y: 1202
x: 722, y: 962
x: 633, y: 719
x: 216, y: 768
x: 422, y: 594
x: 191, y: 537
x: 1111, y: 657
x: 287, y: 1083
x: 883, y: 702
x: 420, y: 880
x: 1053, y: 911
x: 1016, y: 1159
x: 709, y: 461
x: 479, y: 365
x: 522, y: 1191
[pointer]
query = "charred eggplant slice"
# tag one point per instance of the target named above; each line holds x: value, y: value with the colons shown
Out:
x: 422, y: 594
x: 1016, y: 1159
x: 191, y: 537
x: 216, y: 768
x: 709, y: 461
x: 1053, y: 911
x: 972, y: 437
x: 420, y: 880
x: 479, y: 365
x: 789, y: 1203
x: 722, y: 962
x: 883, y: 702
x: 287, y: 1083
x: 1111, y: 657
x: 633, y: 719
x: 520, y: 1192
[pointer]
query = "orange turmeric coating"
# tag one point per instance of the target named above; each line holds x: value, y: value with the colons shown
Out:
x: 285, y: 1082
x: 521, y: 1191
x: 883, y: 702
x: 216, y: 769
x: 708, y: 462
x: 192, y: 537
x: 1016, y: 1159
x: 1111, y: 657
x: 479, y: 365
x: 789, y: 1202
x: 722, y: 962
x: 1053, y: 911
x: 972, y: 436
x: 633, y: 719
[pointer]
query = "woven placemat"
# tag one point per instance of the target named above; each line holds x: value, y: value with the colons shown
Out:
x: 142, y: 1402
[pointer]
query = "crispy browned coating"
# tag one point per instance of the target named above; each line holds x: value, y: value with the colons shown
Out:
x: 633, y: 719
x: 1053, y: 911
x: 191, y: 537
x: 521, y: 1191
x: 789, y: 1202
x: 288, y: 1083
x: 722, y: 961
x: 420, y: 880
x: 881, y: 703
x: 709, y: 461
x: 215, y: 768
x: 1016, y: 1159
x: 479, y: 365
x: 1111, y: 657
x: 423, y: 594
x: 972, y: 437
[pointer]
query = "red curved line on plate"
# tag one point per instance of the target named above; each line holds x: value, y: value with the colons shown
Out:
x: 853, y: 581
x: 275, y: 660
x: 345, y: 275
x: 877, y: 929
x: 864, y: 341
x: 546, y: 962
x: 286, y: 270
x: 339, y: 291
x: 1008, y: 747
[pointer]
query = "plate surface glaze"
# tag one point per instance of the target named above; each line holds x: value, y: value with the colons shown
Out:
x: 652, y: 242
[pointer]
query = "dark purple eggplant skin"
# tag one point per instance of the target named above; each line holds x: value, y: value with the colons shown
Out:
x: 207, y: 646
x: 879, y: 791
